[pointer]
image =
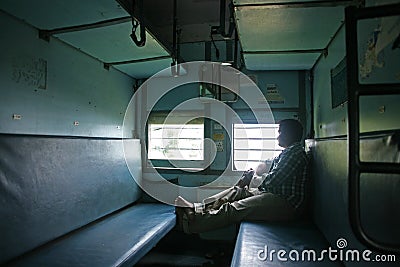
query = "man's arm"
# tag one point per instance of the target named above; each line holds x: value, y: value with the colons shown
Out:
x: 246, y: 178
x: 289, y: 165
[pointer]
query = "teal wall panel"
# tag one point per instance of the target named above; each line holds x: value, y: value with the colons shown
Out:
x: 379, y: 193
x: 330, y: 155
x: 378, y: 113
x: 193, y: 51
x: 52, y: 85
x: 286, y: 82
x: 328, y: 121
x: 196, y: 51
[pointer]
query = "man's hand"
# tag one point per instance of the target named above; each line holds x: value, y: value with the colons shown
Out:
x: 246, y: 178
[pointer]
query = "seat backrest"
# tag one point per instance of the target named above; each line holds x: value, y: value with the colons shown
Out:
x: 52, y: 185
x: 379, y: 193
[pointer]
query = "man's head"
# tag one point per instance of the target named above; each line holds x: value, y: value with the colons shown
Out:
x: 290, y: 131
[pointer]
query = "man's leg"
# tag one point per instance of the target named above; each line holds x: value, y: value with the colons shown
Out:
x: 231, y: 194
x: 215, y: 201
x: 211, y: 203
x: 265, y: 206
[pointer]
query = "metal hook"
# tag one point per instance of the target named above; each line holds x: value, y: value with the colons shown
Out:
x: 135, y: 24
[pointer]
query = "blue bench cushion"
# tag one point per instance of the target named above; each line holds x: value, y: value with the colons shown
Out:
x: 118, y: 240
x: 256, y: 238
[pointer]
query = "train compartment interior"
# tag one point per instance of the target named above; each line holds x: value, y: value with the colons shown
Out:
x: 110, y: 109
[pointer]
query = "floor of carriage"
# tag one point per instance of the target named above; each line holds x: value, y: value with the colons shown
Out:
x: 179, y: 249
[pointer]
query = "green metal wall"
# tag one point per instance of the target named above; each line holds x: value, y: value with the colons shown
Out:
x: 376, y: 113
x: 330, y: 154
x: 52, y: 85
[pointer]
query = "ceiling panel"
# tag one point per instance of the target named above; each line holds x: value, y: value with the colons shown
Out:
x: 50, y: 14
x: 271, y: 30
x: 194, y: 19
x: 280, y: 61
x: 144, y: 69
x: 245, y: 2
x: 268, y: 29
x: 108, y: 44
x: 113, y: 43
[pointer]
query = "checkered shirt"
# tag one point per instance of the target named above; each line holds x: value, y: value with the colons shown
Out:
x: 287, y: 175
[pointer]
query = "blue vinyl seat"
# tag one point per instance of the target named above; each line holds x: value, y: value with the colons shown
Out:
x: 120, y: 239
x: 258, y: 244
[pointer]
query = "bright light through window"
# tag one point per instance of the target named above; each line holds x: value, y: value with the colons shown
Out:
x: 176, y: 141
x: 254, y: 143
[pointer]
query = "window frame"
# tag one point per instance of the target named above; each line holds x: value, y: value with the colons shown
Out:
x: 166, y: 164
x: 276, y: 150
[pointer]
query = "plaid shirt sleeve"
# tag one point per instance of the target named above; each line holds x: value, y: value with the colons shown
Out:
x: 287, y: 175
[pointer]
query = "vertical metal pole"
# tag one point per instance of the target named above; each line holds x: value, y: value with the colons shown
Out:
x: 353, y: 119
x: 174, y: 33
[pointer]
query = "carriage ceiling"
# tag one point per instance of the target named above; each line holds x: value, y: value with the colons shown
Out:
x: 273, y: 35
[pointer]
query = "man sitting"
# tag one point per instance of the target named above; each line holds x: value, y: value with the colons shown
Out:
x: 280, y: 196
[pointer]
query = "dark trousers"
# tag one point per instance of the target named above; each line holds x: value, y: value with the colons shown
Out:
x: 235, y: 204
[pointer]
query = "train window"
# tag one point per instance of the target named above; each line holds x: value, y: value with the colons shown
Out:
x: 177, y: 138
x: 339, y: 84
x: 254, y: 143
